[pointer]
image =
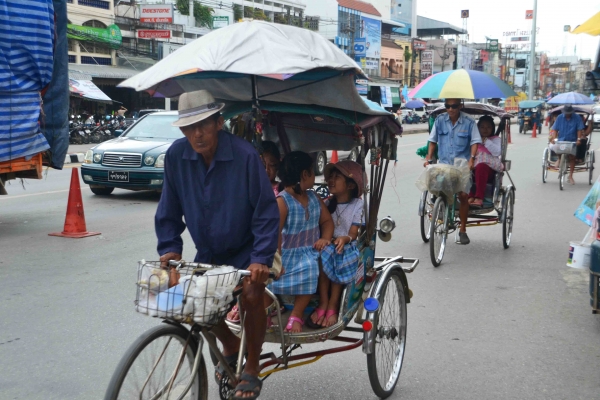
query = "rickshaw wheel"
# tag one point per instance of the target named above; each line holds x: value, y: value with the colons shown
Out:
x: 438, y: 231
x: 426, y: 217
x: 508, y: 210
x: 545, y: 161
x: 591, y: 166
x: 385, y: 362
x: 562, y: 171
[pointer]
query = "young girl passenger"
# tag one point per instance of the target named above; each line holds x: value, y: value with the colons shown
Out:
x: 271, y: 158
x: 487, y: 159
x: 339, y: 259
x: 305, y: 229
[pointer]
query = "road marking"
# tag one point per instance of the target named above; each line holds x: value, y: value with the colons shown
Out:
x: 35, y: 194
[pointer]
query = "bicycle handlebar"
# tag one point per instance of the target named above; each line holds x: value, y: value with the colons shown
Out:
x: 206, y: 267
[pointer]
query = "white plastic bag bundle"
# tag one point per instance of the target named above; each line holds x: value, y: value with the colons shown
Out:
x: 447, y: 179
x: 151, y: 281
x: 213, y: 293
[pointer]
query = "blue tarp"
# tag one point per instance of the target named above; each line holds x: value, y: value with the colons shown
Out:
x: 26, y: 63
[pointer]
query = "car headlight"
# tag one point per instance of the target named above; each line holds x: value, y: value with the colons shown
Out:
x: 89, y: 155
x: 160, y: 161
x: 387, y: 224
x: 149, y: 160
x: 97, y: 157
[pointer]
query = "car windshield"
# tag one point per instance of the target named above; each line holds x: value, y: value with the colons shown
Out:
x: 597, y: 110
x: 156, y: 127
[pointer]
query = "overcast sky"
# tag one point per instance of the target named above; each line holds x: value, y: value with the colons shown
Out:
x: 491, y: 18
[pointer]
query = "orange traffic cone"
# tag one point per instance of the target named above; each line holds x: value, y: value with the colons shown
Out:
x: 508, y: 133
x: 75, y: 219
x: 533, y: 133
x: 334, y: 157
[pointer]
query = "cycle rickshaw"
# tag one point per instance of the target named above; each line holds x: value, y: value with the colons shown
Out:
x: 530, y: 113
x: 438, y: 214
x: 167, y: 360
x: 550, y: 157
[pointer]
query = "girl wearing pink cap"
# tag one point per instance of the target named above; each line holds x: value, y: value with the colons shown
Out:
x: 340, y: 258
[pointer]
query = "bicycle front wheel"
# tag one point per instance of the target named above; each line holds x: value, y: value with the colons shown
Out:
x: 439, y: 231
x: 159, y: 365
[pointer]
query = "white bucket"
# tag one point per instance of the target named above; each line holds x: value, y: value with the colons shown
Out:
x: 579, y: 255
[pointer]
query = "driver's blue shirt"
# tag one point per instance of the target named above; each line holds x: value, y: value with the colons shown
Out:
x: 454, y: 141
x: 229, y: 208
x: 567, y: 128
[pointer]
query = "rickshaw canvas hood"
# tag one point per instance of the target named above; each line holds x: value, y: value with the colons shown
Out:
x: 257, y: 59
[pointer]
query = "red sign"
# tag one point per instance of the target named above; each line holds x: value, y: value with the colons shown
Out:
x: 153, y: 34
x: 484, y: 55
x: 419, y: 44
x: 529, y: 14
x: 156, y: 13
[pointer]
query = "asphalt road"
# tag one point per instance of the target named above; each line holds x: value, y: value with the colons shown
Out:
x: 487, y: 324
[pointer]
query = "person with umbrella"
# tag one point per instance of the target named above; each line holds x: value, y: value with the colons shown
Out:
x: 455, y: 135
x: 568, y: 127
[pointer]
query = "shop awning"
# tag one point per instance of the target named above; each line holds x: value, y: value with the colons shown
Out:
x: 393, y: 23
x: 87, y: 90
x: 102, y: 71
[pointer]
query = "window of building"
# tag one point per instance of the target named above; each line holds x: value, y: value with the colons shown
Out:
x: 71, y: 59
x: 72, y: 45
x: 96, y: 60
x: 105, y: 5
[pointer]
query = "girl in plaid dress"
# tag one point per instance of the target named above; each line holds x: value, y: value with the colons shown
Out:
x: 305, y: 229
x: 339, y: 259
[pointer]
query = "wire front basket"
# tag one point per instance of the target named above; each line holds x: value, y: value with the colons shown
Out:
x: 189, y: 296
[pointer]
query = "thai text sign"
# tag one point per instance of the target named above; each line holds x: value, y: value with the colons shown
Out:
x: 156, y: 13
x: 153, y: 34
x: 111, y: 35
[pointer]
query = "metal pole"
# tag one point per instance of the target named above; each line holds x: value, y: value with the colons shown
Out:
x: 532, y: 66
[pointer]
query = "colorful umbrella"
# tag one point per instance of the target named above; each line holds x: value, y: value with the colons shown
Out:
x: 591, y: 26
x: 571, y: 98
x: 462, y: 84
x: 414, y: 104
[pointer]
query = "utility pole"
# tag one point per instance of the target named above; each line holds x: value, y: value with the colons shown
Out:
x: 533, y: 59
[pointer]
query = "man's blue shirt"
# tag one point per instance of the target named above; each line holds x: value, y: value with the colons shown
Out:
x: 230, y: 209
x: 567, y: 128
x: 454, y: 141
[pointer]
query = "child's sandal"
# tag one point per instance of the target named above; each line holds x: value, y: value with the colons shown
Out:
x: 290, y: 324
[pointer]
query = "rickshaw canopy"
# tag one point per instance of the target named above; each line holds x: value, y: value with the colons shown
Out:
x: 531, y: 103
x: 258, y: 61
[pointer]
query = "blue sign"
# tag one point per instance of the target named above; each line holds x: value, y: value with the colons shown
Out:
x: 370, y: 30
x: 360, y: 47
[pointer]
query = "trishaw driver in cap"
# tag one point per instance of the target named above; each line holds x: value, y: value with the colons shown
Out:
x: 455, y: 134
x: 217, y: 183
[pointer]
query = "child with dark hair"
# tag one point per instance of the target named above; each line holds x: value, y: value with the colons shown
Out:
x: 339, y: 259
x: 305, y: 229
x: 487, y: 159
x: 271, y: 158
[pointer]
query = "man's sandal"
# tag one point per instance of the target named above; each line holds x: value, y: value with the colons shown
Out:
x: 253, y: 385
x: 315, y: 325
x: 290, y: 324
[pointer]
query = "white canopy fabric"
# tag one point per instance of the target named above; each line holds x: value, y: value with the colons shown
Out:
x: 278, y: 58
x: 88, y: 90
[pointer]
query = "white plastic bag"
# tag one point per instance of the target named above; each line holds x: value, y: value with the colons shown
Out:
x: 151, y: 282
x: 213, y: 293
x: 447, y: 179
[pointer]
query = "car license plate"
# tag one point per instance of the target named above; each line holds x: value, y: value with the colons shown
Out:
x: 118, y: 176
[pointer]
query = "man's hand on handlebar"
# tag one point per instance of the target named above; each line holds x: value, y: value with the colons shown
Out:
x: 260, y: 273
x: 164, y: 263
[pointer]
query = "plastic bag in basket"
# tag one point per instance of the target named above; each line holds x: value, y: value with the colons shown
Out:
x: 447, y: 179
x: 151, y: 281
x: 213, y: 293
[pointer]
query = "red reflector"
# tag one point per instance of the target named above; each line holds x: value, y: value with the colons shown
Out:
x: 371, y: 277
x: 367, y: 326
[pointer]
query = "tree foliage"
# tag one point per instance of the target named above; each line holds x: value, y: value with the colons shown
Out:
x: 203, y: 15
x: 407, y: 54
x: 183, y: 6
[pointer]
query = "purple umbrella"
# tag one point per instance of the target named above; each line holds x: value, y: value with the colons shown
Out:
x: 414, y: 104
x: 571, y: 98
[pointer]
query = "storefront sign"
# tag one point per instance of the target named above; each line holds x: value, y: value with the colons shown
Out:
x: 87, y: 90
x: 395, y: 96
x: 156, y: 13
x: 166, y: 49
x: 153, y: 34
x: 529, y: 14
x: 427, y: 55
x: 492, y: 45
x: 419, y: 44
x: 220, y: 21
x: 386, y: 96
x: 519, y: 39
x: 360, y: 47
x: 111, y: 35
x: 519, y: 32
x: 372, y: 64
x: 426, y: 63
